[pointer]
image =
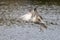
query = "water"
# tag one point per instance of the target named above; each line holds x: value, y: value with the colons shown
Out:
x: 11, y: 28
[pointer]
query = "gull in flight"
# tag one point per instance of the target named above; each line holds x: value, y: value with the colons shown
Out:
x: 34, y: 17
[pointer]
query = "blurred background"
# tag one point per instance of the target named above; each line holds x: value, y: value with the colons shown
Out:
x: 11, y: 28
x: 33, y: 2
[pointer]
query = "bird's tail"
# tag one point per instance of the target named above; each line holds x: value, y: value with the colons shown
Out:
x: 43, y: 25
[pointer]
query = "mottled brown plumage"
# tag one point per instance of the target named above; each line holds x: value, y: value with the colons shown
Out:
x: 34, y: 17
